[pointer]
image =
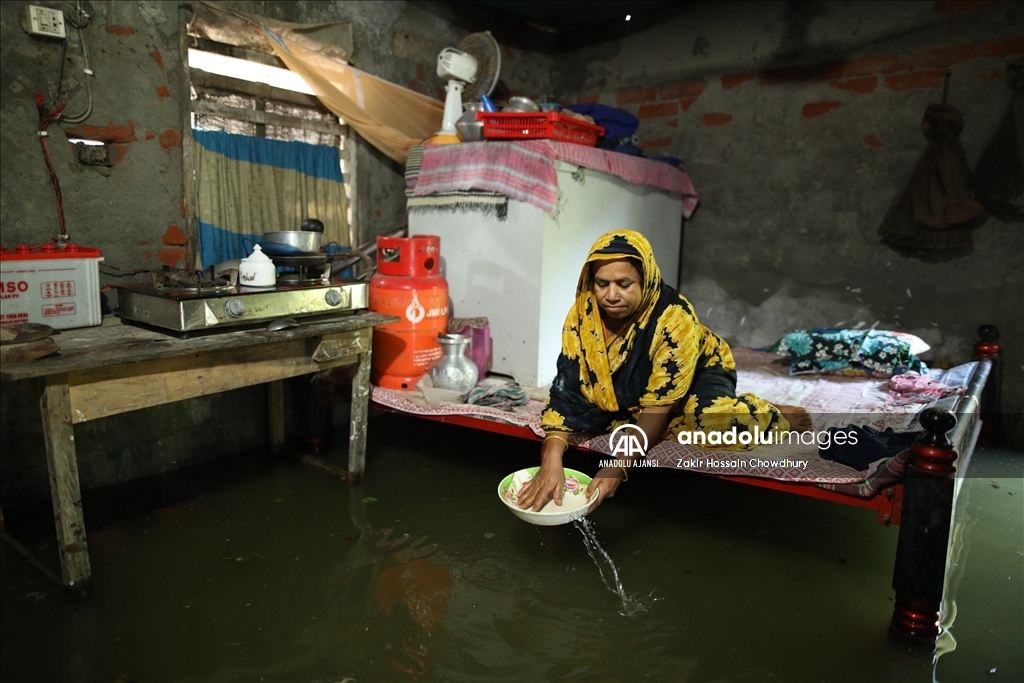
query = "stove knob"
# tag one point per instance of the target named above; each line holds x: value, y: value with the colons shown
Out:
x: 234, y: 307
x: 333, y: 297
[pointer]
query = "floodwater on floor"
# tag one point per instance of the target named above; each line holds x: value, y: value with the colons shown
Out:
x: 266, y: 569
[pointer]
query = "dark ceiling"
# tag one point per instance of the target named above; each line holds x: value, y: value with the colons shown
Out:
x: 561, y: 26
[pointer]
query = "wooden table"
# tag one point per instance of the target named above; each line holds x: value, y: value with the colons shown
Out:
x: 115, y: 368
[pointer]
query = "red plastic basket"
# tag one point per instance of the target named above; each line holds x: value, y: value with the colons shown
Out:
x: 549, y: 125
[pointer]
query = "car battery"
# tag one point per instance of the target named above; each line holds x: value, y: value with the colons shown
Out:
x: 54, y: 285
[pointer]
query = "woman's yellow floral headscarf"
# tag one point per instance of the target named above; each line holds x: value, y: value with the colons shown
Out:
x: 583, y: 334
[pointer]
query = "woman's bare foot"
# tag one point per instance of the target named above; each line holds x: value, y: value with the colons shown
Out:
x: 798, y: 418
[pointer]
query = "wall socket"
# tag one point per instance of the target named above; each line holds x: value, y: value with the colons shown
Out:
x: 45, y: 22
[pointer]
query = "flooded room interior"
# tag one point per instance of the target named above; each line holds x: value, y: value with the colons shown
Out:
x: 439, y: 340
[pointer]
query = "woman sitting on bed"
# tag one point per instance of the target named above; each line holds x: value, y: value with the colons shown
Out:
x: 634, y: 352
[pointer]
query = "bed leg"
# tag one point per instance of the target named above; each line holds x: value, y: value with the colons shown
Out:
x: 991, y: 395
x: 920, y: 571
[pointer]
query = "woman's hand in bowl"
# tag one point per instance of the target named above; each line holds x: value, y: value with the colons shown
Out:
x: 545, y: 485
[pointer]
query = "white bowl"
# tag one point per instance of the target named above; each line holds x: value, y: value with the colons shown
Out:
x: 574, y: 498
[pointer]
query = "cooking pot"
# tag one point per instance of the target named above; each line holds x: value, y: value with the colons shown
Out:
x: 306, y: 240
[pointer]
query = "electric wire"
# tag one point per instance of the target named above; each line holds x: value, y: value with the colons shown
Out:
x: 80, y: 23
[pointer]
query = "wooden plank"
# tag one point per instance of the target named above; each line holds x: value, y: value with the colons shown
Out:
x: 275, y: 412
x: 65, y: 493
x: 204, y: 80
x: 267, y: 118
x: 102, y: 392
x: 360, y: 409
x: 113, y: 344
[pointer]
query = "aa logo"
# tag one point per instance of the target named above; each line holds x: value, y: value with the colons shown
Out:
x: 628, y: 441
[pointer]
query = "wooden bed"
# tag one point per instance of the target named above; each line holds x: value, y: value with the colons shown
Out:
x: 906, y: 490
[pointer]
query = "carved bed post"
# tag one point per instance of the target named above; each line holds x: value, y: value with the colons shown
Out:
x: 928, y: 497
x: 991, y: 397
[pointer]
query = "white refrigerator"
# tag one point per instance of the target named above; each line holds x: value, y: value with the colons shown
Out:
x: 521, y: 272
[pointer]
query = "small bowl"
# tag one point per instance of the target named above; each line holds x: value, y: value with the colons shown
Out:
x: 523, y: 104
x: 550, y: 106
x: 574, y: 499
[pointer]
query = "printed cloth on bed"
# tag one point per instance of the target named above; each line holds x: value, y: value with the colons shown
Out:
x: 661, y: 357
x: 912, y: 387
x: 525, y: 171
x: 504, y: 396
x: 874, y: 353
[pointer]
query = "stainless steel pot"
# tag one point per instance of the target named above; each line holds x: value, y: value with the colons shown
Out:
x: 303, y: 240
x: 469, y: 129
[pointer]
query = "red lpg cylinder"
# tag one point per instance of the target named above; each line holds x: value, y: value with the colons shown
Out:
x: 412, y: 288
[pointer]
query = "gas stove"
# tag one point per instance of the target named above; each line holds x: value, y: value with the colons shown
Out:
x: 186, y: 302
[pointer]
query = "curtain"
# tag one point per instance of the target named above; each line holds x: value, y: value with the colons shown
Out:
x: 248, y: 186
x: 388, y: 116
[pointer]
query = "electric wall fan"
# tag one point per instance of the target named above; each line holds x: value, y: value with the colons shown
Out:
x: 471, y: 70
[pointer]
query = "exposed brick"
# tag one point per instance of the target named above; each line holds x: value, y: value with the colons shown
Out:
x: 812, y: 109
x: 949, y: 6
x: 120, y: 30
x: 785, y: 75
x: 1002, y: 48
x: 990, y: 75
x: 170, y: 138
x: 144, y: 243
x: 864, y: 84
x: 162, y: 91
x: 879, y: 64
x: 652, y: 111
x: 147, y: 255
x: 928, y: 78
x: 940, y: 57
x: 174, y: 236
x: 732, y: 80
x: 873, y: 141
x: 636, y: 95
x: 150, y: 135
x: 509, y: 53
x: 172, y: 256
x: 588, y: 99
x: 650, y: 143
x: 421, y: 73
x: 672, y: 123
x: 829, y: 72
x: 716, y: 119
x: 680, y: 90
x: 685, y: 105
x: 157, y: 57
x: 111, y: 132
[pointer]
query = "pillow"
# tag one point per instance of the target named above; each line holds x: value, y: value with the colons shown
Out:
x: 851, y: 353
x: 818, y: 351
x: 917, y: 345
x: 887, y: 352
